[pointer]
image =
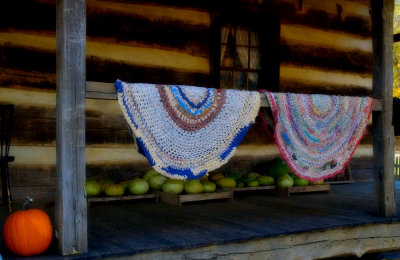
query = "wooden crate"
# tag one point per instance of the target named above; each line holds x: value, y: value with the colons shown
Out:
x: 175, y: 199
x: 286, y: 191
x: 121, y: 198
x: 259, y: 188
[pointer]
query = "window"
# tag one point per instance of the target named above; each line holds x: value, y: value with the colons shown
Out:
x: 240, y: 61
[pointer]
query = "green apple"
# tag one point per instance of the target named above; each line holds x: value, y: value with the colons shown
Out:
x: 285, y: 181
x: 300, y: 182
x: 209, y: 186
x: 193, y: 187
x: 226, y: 183
x: 156, y: 181
x: 114, y: 190
x: 138, y: 186
x: 92, y: 188
x: 172, y: 186
x: 266, y: 180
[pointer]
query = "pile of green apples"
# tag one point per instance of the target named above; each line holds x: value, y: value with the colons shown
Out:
x: 136, y: 186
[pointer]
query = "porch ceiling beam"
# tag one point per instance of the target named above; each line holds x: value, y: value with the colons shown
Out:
x: 382, y: 41
x: 71, y: 211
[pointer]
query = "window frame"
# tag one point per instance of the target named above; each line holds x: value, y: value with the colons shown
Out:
x: 249, y: 47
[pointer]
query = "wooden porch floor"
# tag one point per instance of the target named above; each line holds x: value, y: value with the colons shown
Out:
x: 130, y: 228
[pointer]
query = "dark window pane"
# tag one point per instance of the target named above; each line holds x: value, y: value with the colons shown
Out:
x: 239, y: 80
x: 242, y: 36
x: 224, y: 34
x: 254, y: 40
x: 253, y: 81
x: 242, y: 56
x: 255, y: 59
x: 227, y: 60
x: 225, y: 79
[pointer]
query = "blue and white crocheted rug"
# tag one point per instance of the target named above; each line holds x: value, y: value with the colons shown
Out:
x: 186, y: 131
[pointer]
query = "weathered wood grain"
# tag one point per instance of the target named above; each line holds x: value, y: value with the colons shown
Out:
x: 327, y: 16
x: 20, y: 67
x: 71, y: 205
x: 352, y: 241
x: 134, y: 55
x: 323, y: 81
x: 304, y: 35
x: 286, y: 191
x: 327, y: 58
x: 259, y: 188
x: 382, y: 24
x: 40, y: 193
x: 91, y: 200
x: 179, y: 199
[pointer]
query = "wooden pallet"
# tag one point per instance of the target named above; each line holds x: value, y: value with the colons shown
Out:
x: 272, y: 187
x: 175, y: 199
x: 121, y: 198
x: 286, y: 191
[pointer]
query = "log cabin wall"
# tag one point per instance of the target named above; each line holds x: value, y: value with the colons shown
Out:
x: 325, y: 47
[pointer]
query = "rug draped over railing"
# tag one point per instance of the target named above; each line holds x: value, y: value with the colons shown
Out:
x: 186, y: 131
x: 316, y: 134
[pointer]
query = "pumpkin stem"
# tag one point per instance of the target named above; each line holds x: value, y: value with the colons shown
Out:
x: 27, y: 202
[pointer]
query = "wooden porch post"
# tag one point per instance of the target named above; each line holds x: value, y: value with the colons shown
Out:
x: 71, y: 211
x: 382, y: 33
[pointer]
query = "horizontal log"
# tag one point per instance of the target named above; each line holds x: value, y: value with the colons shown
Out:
x: 353, y: 8
x: 30, y: 80
x: 309, y: 87
x: 303, y: 35
x: 108, y: 71
x: 315, y: 76
x: 184, y: 29
x: 109, y: 89
x: 121, y: 154
x: 40, y: 12
x: 327, y: 59
x: 40, y: 194
x: 19, y: 66
x: 142, y: 56
x: 32, y: 175
x: 323, y: 19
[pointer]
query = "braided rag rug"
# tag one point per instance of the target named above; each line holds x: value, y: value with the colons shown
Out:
x: 186, y: 131
x: 317, y: 134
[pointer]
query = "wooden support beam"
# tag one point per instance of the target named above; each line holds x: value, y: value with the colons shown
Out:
x: 102, y: 90
x: 382, y: 33
x: 71, y: 210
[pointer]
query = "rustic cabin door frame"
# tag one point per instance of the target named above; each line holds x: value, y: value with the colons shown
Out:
x: 71, y: 208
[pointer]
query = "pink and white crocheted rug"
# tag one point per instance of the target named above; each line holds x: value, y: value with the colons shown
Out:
x: 317, y: 134
x: 186, y: 131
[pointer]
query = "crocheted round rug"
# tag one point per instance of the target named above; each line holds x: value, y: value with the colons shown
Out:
x: 317, y: 134
x: 187, y: 131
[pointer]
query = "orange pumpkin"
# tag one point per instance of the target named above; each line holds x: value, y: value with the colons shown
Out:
x: 28, y: 232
